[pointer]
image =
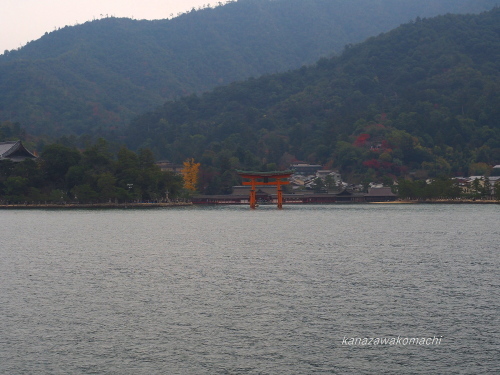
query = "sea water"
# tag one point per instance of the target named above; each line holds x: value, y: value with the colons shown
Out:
x: 330, y: 289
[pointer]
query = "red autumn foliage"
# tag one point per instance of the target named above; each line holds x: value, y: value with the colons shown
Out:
x: 373, y: 163
x: 361, y: 140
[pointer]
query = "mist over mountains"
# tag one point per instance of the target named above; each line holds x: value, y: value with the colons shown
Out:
x: 95, y: 77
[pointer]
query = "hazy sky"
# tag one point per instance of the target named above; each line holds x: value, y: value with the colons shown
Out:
x: 22, y: 21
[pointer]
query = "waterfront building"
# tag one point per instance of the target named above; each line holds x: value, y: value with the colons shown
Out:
x: 380, y: 194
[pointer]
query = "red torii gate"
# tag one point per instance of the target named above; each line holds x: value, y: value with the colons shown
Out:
x: 280, y: 178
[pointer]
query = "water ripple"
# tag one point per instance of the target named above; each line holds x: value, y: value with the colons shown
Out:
x: 227, y: 290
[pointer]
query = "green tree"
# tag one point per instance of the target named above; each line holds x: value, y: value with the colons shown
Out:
x: 497, y: 190
x: 486, y: 188
x: 57, y: 196
x: 477, y: 188
x: 84, y: 194
x: 15, y: 188
x: 98, y: 156
x: 330, y: 182
x: 74, y: 176
x: 56, y: 160
x: 106, y: 185
x: 319, y: 185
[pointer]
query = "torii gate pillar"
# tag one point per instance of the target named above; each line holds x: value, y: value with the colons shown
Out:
x: 262, y: 179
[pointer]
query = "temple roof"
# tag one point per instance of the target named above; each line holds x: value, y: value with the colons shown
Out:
x: 15, y: 151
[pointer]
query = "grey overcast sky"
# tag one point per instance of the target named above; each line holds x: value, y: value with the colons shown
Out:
x: 22, y: 21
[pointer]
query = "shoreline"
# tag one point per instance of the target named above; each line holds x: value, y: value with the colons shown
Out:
x: 95, y: 205
x: 183, y: 204
x: 445, y: 201
x: 441, y: 201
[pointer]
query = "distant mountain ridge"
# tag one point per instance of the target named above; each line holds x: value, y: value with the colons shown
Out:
x: 95, y: 77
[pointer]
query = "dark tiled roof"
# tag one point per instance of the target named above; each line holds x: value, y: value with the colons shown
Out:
x: 14, y: 150
x: 380, y: 192
x: 5, y: 147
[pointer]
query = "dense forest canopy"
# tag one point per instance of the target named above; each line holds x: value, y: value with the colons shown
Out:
x: 423, y: 99
x: 93, y: 78
x: 98, y: 174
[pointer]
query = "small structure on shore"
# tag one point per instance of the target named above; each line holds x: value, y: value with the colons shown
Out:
x: 381, y: 194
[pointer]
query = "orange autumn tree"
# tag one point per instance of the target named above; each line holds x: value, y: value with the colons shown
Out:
x: 190, y: 174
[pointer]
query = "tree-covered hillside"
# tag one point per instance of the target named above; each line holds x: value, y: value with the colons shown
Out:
x: 94, y: 77
x: 423, y: 98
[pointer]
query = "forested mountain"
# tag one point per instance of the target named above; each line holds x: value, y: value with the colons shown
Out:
x: 422, y: 98
x: 94, y: 77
